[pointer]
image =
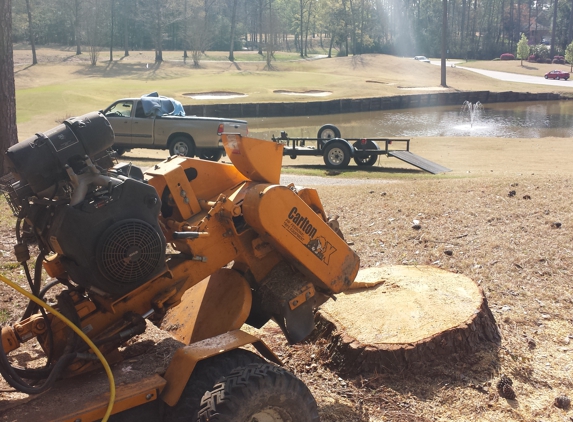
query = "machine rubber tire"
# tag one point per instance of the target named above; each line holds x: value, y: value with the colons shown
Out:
x: 327, y: 132
x: 366, y: 161
x: 207, y: 373
x: 182, y: 145
x: 557, y: 78
x: 336, y: 155
x: 546, y: 77
x: 259, y: 392
x: 212, y: 155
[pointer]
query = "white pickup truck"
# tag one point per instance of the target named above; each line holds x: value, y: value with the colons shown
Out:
x: 135, y: 126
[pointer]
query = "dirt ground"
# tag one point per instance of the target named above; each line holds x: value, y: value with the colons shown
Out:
x: 505, y: 214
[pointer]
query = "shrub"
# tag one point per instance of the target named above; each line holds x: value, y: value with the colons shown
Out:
x: 507, y: 56
x: 532, y: 59
x: 558, y: 60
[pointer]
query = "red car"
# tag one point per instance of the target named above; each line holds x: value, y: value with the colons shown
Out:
x: 557, y: 74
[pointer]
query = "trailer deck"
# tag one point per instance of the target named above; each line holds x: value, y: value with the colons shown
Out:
x: 338, y: 151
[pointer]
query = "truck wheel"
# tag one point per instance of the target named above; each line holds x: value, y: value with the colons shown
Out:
x: 206, y: 374
x: 182, y: 146
x: 211, y: 155
x: 259, y: 392
x: 327, y: 132
x: 336, y: 155
x: 365, y: 160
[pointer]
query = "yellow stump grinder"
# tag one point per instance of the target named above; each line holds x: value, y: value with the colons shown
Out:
x: 197, y: 246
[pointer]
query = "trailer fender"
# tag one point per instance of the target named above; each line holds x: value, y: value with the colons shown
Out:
x: 366, y: 152
x: 350, y: 147
x: 365, y: 144
x: 185, y: 359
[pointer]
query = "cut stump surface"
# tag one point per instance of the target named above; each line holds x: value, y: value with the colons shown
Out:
x: 411, y: 314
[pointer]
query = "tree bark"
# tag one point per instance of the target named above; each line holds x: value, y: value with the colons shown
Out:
x: 301, y: 28
x: 185, y: 31
x: 111, y: 30
x: 444, y: 40
x: 125, y: 30
x: 158, y: 32
x: 553, y: 29
x: 8, y: 128
x: 77, y: 27
x: 417, y: 315
x: 31, y: 33
x: 233, y: 26
x: 260, y: 45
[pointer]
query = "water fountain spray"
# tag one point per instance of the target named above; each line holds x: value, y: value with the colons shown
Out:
x: 474, y: 110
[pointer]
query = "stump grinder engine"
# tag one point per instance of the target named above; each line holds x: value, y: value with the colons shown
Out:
x: 198, y: 247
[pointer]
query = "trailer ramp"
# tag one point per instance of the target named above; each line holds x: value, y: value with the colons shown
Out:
x: 419, y: 162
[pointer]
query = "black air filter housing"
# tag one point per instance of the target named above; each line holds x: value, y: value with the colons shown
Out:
x: 40, y: 160
x: 111, y: 244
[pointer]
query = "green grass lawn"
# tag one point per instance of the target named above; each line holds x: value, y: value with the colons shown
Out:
x: 64, y: 85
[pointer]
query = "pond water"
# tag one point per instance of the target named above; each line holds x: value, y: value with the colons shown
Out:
x: 505, y: 120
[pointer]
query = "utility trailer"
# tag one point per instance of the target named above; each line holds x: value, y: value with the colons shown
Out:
x: 337, y: 151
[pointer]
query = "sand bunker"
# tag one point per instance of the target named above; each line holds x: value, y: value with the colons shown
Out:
x: 214, y: 95
x: 311, y: 93
x: 422, y: 88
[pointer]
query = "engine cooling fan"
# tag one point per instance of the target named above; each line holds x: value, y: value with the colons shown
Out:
x: 130, y: 251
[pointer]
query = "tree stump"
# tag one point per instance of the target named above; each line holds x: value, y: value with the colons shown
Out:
x: 413, y: 314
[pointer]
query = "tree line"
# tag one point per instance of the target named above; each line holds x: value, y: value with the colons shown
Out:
x: 476, y: 29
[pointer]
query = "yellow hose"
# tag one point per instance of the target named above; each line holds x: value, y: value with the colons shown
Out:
x: 79, y: 333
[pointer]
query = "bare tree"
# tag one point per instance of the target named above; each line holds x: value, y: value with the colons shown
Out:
x: 199, y: 38
x: 8, y: 128
x: 270, y: 41
x: 93, y: 30
x: 31, y: 32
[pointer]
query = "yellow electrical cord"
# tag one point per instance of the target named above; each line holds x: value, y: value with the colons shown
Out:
x: 79, y: 333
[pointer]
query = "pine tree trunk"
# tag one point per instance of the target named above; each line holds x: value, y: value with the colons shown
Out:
x: 8, y: 129
x: 417, y: 315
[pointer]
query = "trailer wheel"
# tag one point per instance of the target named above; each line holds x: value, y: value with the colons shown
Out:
x: 207, y: 373
x: 259, y: 392
x: 365, y: 160
x: 336, y: 155
x: 181, y: 145
x: 327, y: 132
x: 211, y: 155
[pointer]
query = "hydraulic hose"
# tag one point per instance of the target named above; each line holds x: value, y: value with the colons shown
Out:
x: 79, y: 333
